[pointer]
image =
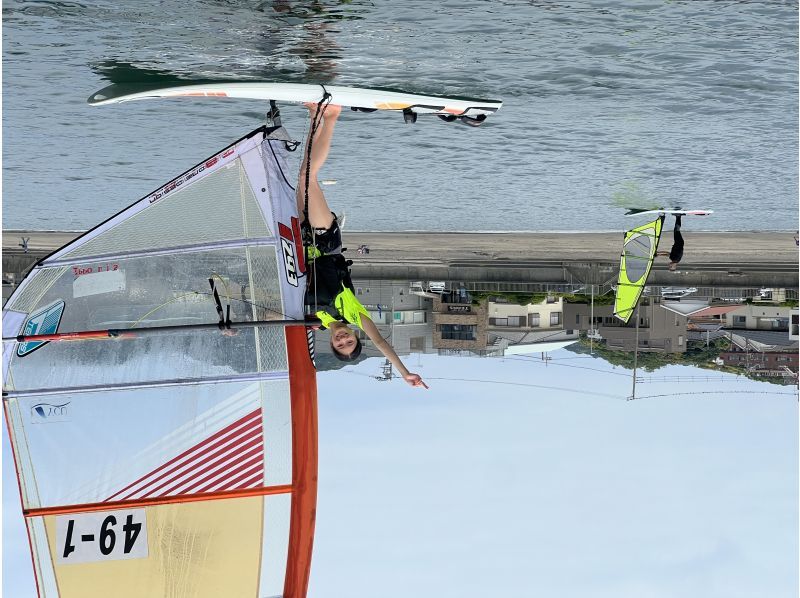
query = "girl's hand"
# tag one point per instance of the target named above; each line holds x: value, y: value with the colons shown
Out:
x: 414, y: 380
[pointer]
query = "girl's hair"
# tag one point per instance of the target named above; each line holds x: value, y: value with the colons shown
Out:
x: 353, y: 356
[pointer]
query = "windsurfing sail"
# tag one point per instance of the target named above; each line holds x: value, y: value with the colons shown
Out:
x: 180, y: 463
x: 638, y: 251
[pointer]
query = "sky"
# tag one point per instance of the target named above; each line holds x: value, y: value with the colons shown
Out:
x: 515, y: 479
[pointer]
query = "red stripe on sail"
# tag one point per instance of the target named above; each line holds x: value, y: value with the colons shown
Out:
x: 254, y: 456
x: 242, y: 473
x: 237, y: 438
x: 254, y: 481
x: 247, y: 418
x: 252, y: 430
x: 240, y: 481
x: 228, y: 460
x: 253, y: 439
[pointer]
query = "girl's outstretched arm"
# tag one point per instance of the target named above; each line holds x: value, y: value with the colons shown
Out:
x: 384, y: 347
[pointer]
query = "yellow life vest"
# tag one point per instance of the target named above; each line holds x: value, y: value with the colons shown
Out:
x: 312, y: 253
x: 349, y: 308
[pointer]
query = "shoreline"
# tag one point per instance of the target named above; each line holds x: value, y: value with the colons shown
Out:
x: 717, y: 247
x: 415, y: 231
x: 711, y: 259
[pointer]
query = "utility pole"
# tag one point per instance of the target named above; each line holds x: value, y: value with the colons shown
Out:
x: 387, y: 374
x: 591, y: 325
x: 386, y: 368
x: 635, y: 356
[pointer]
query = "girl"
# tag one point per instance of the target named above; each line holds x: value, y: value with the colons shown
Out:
x: 330, y: 290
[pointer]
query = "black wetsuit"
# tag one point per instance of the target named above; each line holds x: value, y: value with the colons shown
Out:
x: 676, y: 253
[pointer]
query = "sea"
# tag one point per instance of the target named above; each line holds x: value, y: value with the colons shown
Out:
x: 606, y: 104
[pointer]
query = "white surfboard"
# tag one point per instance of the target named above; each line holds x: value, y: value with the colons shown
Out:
x: 355, y: 97
x: 675, y: 212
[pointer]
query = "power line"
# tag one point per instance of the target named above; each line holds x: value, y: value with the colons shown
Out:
x: 717, y: 392
x: 566, y: 365
x: 584, y: 392
x: 506, y: 382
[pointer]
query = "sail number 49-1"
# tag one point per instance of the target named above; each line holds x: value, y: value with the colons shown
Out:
x: 101, y: 536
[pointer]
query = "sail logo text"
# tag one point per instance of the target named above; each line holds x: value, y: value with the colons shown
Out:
x: 80, y: 271
x: 172, y: 185
x: 289, y: 255
x: 43, y: 413
x: 101, y: 536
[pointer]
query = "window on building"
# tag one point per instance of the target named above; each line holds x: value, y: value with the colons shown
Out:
x: 780, y: 324
x: 577, y: 319
x: 398, y: 316
x: 680, y: 340
x: 417, y: 343
x: 510, y: 321
x: 555, y: 318
x: 739, y: 320
x: 458, y: 332
x: 533, y: 320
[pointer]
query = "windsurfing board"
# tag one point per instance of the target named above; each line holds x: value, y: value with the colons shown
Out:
x: 355, y: 97
x: 674, y: 212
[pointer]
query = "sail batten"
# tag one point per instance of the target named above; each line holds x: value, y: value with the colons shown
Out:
x: 168, y: 500
x: 229, y: 244
x: 281, y: 375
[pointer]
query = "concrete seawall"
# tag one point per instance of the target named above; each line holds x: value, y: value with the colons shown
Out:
x: 725, y: 259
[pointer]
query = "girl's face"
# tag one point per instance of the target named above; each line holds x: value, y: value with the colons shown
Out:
x: 343, y: 339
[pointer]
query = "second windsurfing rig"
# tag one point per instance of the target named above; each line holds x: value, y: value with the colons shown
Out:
x: 638, y: 252
x: 164, y: 429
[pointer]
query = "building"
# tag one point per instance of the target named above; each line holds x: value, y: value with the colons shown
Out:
x: 759, y: 316
x: 403, y: 318
x: 524, y: 329
x: 458, y: 323
x: 716, y: 315
x: 761, y: 363
x: 762, y: 353
x: 660, y: 330
x: 546, y: 315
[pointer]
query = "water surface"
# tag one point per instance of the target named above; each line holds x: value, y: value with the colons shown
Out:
x: 668, y: 103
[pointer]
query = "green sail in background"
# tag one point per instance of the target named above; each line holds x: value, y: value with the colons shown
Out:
x: 638, y: 252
